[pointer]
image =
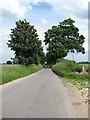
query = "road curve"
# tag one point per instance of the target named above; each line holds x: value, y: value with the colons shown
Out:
x: 39, y: 96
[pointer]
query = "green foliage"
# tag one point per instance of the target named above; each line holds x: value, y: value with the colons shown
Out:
x: 87, y: 70
x: 26, y: 44
x: 77, y: 68
x: 62, y: 39
x: 56, y: 50
x: 64, y: 68
x: 8, y: 62
x: 60, y: 60
x: 65, y: 60
x: 70, y: 64
x: 12, y: 72
x: 43, y: 58
x: 83, y: 62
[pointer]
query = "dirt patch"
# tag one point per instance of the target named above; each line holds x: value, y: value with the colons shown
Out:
x: 78, y: 100
x: 81, y: 73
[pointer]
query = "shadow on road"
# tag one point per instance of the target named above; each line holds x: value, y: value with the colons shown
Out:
x: 47, y: 67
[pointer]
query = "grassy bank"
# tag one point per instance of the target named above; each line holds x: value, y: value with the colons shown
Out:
x: 66, y: 69
x: 12, y: 72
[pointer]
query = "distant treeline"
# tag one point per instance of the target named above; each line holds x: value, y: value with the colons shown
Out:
x: 83, y: 62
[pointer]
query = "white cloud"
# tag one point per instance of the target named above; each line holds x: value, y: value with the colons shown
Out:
x: 78, y: 8
x: 69, y: 8
x: 35, y: 1
x: 43, y: 21
x: 4, y: 50
x: 77, y: 57
x: 30, y: 7
x: 13, y: 8
x: 17, y: 8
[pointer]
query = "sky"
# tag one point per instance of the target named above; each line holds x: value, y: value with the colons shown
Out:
x: 43, y: 14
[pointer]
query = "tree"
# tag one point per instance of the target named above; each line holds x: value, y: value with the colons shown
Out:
x: 26, y: 44
x: 62, y: 39
x: 8, y: 62
x: 42, y: 58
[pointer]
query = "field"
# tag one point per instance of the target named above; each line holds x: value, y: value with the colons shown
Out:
x: 12, y: 72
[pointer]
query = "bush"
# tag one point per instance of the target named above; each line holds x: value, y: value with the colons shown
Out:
x: 60, y: 60
x: 77, y: 68
x: 58, y: 71
x: 65, y: 69
x: 87, y: 69
x: 69, y: 65
x: 65, y: 60
x: 8, y: 62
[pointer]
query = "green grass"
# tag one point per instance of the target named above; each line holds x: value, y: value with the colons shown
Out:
x: 64, y: 69
x: 12, y: 72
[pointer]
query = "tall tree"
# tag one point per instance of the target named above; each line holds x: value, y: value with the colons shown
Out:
x: 62, y: 39
x: 25, y: 42
x: 43, y: 58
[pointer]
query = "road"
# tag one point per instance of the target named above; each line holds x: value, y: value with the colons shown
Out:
x: 38, y: 96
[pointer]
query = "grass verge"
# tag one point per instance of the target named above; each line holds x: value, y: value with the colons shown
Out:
x: 67, y: 69
x: 12, y: 72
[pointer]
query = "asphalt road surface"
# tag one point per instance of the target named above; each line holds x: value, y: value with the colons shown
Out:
x: 41, y: 95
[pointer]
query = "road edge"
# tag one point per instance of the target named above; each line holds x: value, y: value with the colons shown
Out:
x: 77, y: 100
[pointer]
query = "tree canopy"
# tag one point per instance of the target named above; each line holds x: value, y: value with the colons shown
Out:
x: 62, y: 39
x: 26, y: 44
